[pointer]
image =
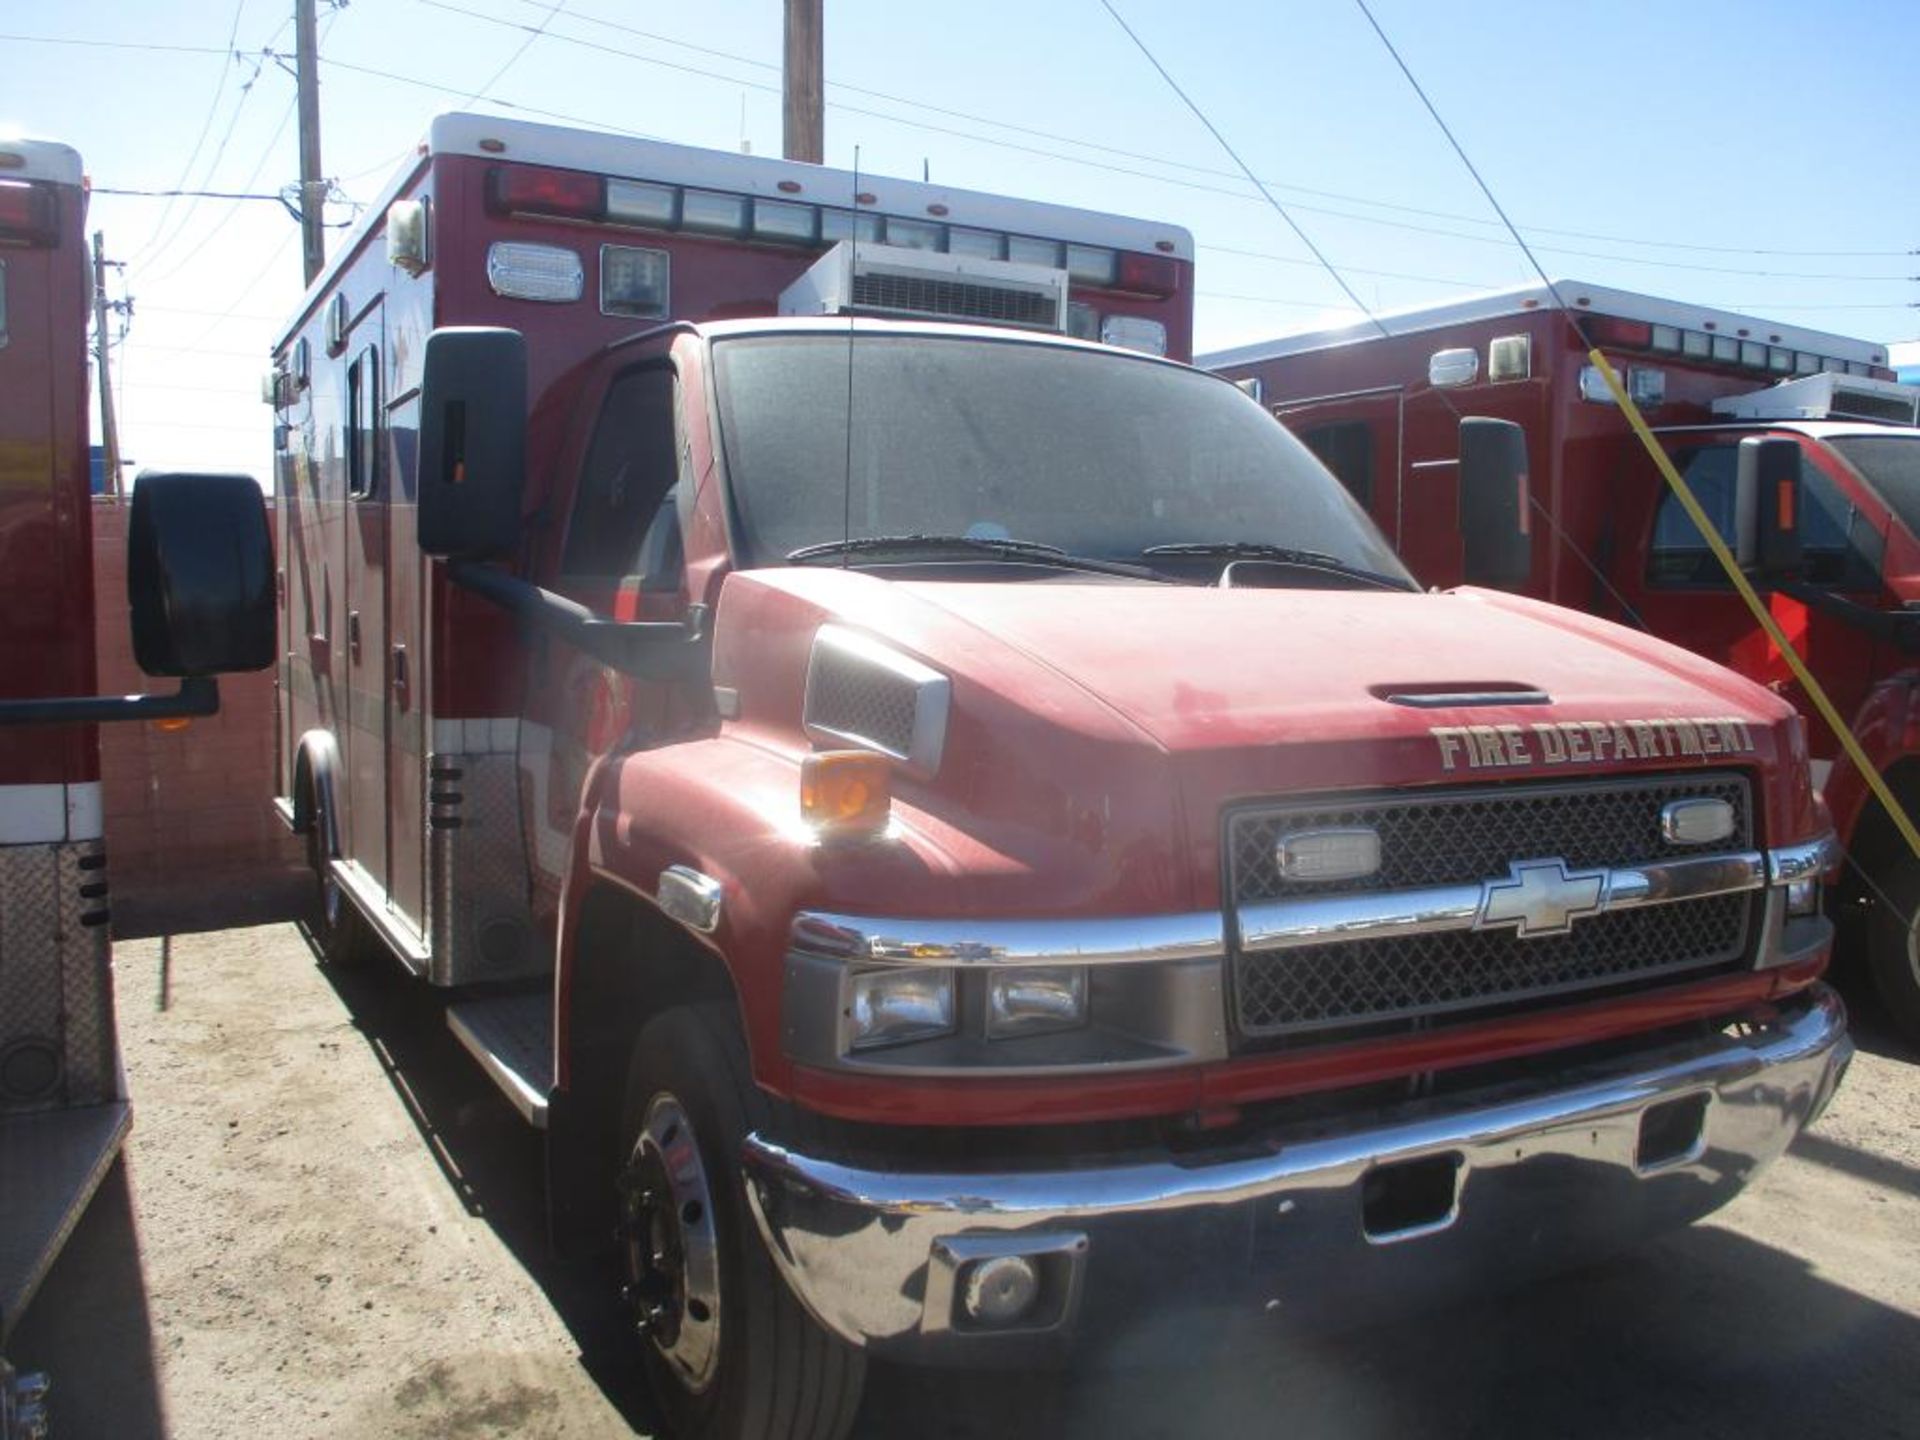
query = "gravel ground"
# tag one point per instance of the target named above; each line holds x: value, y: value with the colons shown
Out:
x: 328, y: 1224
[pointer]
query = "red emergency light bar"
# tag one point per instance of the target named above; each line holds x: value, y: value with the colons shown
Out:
x: 1612, y: 330
x: 29, y: 213
x: 564, y: 194
x: 1156, y: 275
x: 530, y: 190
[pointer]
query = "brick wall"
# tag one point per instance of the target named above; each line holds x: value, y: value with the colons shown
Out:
x: 183, y: 806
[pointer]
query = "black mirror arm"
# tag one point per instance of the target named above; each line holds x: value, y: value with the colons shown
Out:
x: 198, y: 695
x: 645, y: 649
x: 1899, y: 628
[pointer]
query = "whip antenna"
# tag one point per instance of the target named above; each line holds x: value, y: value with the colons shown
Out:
x: 846, y: 473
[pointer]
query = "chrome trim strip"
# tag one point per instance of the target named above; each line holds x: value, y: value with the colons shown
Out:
x: 1295, y: 923
x: 1126, y: 940
x: 1808, y: 860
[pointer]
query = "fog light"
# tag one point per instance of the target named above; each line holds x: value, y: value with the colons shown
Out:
x: 1036, y: 1000
x: 891, y: 1007
x: 1803, y: 897
x: 1002, y: 1290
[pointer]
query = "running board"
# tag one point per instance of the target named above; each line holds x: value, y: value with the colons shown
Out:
x: 370, y: 900
x: 51, y: 1162
x: 512, y: 1038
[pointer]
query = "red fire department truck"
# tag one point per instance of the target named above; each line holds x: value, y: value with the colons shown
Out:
x: 199, y: 586
x: 966, y: 836
x: 1379, y: 410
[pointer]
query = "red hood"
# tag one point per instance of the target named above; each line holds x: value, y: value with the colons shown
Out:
x: 1203, y: 668
x: 1098, y: 729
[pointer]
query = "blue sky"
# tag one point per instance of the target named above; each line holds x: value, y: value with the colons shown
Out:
x: 1753, y: 155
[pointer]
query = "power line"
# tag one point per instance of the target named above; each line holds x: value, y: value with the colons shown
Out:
x: 1263, y: 187
x: 206, y: 126
x: 1225, y: 145
x: 552, y: 10
x: 1192, y: 168
x: 199, y: 194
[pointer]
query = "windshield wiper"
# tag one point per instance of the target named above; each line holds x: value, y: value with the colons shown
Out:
x: 1277, y: 555
x: 997, y: 546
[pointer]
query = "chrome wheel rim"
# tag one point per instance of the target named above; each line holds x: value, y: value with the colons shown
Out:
x: 672, y: 1250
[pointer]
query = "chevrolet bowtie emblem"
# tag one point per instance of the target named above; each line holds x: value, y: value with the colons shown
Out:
x: 1540, y: 897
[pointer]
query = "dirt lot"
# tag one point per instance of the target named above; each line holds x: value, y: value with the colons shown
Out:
x: 329, y: 1225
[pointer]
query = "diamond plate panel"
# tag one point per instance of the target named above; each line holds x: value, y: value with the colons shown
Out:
x: 56, y: 981
x: 480, y: 927
x: 1452, y: 837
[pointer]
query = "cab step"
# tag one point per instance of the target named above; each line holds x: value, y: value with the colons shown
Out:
x: 51, y: 1162
x: 512, y: 1038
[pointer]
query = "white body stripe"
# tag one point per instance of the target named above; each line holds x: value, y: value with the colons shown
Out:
x: 484, y: 735
x: 50, y: 814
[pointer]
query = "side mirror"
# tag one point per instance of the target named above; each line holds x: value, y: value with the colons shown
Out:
x: 200, y: 575
x: 473, y: 442
x: 1495, y: 530
x: 1767, y: 520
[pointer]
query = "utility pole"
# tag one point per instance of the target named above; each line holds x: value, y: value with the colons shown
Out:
x: 803, y: 135
x: 109, y: 432
x: 313, y: 189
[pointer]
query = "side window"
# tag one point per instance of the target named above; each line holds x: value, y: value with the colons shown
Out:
x: 1842, y: 550
x: 363, y: 425
x: 1345, y: 448
x: 624, y: 519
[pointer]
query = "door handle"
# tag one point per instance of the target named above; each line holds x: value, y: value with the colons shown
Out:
x: 353, y: 636
x: 400, y: 686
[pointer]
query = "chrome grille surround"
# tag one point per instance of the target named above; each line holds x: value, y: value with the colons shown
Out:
x: 1419, y: 939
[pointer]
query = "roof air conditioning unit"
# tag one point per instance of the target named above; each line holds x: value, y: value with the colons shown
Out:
x: 1827, y: 397
x: 890, y: 280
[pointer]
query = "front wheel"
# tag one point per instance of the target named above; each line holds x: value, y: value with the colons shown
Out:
x: 730, y: 1352
x: 1893, y: 945
x: 338, y: 932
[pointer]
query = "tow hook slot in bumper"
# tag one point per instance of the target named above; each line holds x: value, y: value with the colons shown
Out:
x: 1410, y: 1198
x: 1315, y: 1227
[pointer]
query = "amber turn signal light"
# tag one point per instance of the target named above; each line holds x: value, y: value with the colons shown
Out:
x: 846, y: 792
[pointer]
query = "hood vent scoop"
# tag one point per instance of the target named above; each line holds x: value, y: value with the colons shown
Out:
x: 863, y: 693
x: 1456, y: 695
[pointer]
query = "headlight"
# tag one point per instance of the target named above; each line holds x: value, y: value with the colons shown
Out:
x: 1803, y: 897
x: 893, y: 1006
x: 1036, y: 1000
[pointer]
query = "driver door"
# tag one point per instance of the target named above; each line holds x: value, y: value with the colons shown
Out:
x: 620, y: 554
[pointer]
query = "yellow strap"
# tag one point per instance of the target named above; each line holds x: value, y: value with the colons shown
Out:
x: 1705, y: 526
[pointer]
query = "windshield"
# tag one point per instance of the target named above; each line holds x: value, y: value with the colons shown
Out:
x: 1891, y: 465
x: 1097, y: 453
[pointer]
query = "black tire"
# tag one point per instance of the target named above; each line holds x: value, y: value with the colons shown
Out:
x: 1893, y: 945
x: 339, y: 932
x: 773, y: 1373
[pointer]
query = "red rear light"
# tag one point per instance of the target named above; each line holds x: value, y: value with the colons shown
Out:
x: 1783, y: 497
x: 526, y: 190
x: 1157, y: 275
x: 29, y: 213
x: 1612, y: 330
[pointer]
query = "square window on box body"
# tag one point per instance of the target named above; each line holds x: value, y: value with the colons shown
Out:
x: 634, y: 281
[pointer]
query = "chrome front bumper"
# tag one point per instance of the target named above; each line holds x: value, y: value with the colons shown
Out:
x: 1311, y: 1225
